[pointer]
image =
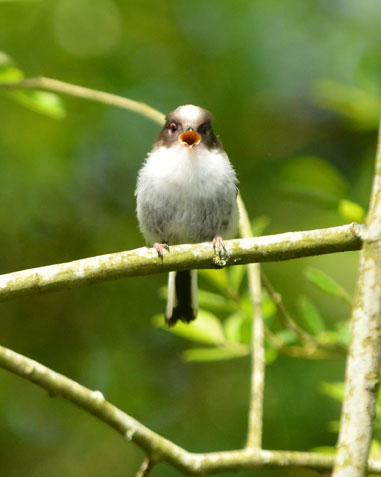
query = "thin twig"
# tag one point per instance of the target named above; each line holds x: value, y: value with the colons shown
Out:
x: 257, y: 386
x: 287, y: 320
x: 306, y: 352
x: 364, y: 357
x: 57, y: 86
x: 145, y: 468
x: 157, y: 447
x: 313, y: 342
x: 144, y: 261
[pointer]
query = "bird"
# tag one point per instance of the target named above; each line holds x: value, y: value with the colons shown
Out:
x: 186, y: 192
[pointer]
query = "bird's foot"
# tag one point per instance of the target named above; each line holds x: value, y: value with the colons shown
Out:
x: 160, y: 247
x: 219, y: 247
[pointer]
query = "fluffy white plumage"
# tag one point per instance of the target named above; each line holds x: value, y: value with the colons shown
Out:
x: 181, y: 176
x: 192, y: 113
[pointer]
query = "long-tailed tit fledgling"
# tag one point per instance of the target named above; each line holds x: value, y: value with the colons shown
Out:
x: 186, y: 193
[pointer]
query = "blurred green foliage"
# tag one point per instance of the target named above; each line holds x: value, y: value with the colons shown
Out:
x: 295, y: 91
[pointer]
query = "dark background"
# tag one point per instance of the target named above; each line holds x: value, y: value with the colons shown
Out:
x: 285, y: 81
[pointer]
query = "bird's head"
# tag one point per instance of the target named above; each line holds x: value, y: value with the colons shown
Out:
x: 189, y: 126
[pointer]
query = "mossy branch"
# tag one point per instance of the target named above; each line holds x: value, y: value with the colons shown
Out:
x: 364, y: 357
x: 157, y: 447
x: 144, y: 261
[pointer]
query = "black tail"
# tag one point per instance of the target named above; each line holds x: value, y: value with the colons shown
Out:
x: 182, y: 297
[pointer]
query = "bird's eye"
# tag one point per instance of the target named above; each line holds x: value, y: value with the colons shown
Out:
x: 203, y: 128
x: 173, y: 127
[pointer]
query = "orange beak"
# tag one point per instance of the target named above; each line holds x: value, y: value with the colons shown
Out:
x: 190, y: 138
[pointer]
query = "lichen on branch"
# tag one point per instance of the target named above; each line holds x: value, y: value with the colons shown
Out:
x: 145, y: 261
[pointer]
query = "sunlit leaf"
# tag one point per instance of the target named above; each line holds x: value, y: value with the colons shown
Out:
x: 8, y: 70
x: 9, y: 74
x: 259, y: 225
x: 43, y: 102
x: 327, y: 284
x: 287, y: 337
x: 215, y: 354
x: 310, y: 316
x: 375, y: 449
x: 344, y: 333
x: 232, y: 326
x: 236, y: 275
x: 329, y: 450
x: 268, y: 306
x: 368, y: 71
x: 214, y: 302
x: 49, y: 104
x: 271, y: 354
x: 5, y: 60
x: 205, y: 329
x: 246, y: 305
x: 333, y: 390
x: 360, y: 106
x: 312, y: 178
x: 218, y: 278
x: 351, y: 211
x: 333, y: 426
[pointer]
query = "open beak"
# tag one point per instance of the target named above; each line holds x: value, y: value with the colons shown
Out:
x: 190, y: 138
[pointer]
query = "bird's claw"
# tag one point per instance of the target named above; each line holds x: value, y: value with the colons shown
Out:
x: 160, y: 247
x: 219, y: 247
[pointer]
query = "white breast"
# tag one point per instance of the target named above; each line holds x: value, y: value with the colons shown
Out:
x: 170, y: 184
x: 179, y: 171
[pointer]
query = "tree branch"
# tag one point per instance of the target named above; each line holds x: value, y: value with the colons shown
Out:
x: 158, y: 448
x: 258, y: 365
x: 57, y: 86
x: 145, y: 468
x: 364, y: 358
x: 144, y: 261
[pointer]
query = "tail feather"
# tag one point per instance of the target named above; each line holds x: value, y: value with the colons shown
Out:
x: 182, y: 302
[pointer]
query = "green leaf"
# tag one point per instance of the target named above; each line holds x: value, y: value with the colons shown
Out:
x: 236, y: 275
x: 375, y: 450
x: 368, y: 71
x: 268, y: 306
x: 246, y: 305
x: 5, y: 60
x: 206, y: 329
x: 259, y: 225
x: 310, y: 316
x: 333, y: 426
x: 8, y: 71
x: 9, y: 74
x: 232, y: 326
x: 327, y: 284
x: 324, y: 450
x: 218, y: 278
x: 271, y: 354
x: 214, y: 302
x: 42, y: 102
x: 287, y: 337
x: 215, y: 354
x: 333, y: 390
x: 351, y: 211
x: 312, y: 178
x: 358, y: 105
x: 344, y: 333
